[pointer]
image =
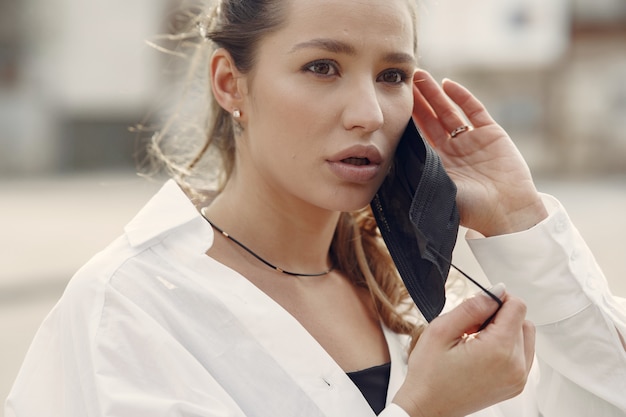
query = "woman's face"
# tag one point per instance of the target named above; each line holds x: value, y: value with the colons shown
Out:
x: 328, y: 99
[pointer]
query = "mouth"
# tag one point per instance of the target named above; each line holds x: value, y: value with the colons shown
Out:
x: 357, y: 164
x: 356, y: 161
x: 358, y: 155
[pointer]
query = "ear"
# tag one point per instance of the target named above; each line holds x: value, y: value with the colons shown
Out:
x: 226, y: 81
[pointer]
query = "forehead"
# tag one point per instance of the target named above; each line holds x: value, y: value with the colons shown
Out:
x: 388, y: 23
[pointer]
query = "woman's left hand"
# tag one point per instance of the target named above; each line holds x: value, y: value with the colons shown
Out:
x: 496, y: 193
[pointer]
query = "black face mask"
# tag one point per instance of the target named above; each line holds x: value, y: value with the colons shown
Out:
x: 416, y: 212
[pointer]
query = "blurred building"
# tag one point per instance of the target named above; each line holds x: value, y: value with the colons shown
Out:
x: 74, y: 75
x: 553, y: 73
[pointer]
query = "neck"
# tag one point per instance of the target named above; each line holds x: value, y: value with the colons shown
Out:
x: 288, y: 234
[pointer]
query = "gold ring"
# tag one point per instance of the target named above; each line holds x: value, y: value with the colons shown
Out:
x: 459, y: 130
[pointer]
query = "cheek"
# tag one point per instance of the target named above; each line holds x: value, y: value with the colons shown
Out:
x: 291, y: 118
x: 277, y: 132
x: 398, y: 112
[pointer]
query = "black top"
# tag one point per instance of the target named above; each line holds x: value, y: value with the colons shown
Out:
x: 373, y: 383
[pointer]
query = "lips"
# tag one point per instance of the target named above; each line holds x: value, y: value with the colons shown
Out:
x: 358, y: 155
x: 359, y: 164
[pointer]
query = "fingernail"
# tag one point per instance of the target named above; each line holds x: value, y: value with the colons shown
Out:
x: 497, y: 290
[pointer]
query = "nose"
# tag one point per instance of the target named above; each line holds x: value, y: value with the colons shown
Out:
x: 362, y: 108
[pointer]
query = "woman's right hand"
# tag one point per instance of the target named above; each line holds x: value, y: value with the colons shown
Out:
x: 453, y: 375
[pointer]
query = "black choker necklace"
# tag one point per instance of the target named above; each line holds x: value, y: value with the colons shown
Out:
x: 226, y: 235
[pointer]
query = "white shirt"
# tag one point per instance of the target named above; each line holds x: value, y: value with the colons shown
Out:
x: 151, y: 326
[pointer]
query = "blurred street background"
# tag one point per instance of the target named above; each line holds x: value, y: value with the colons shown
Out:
x: 75, y: 75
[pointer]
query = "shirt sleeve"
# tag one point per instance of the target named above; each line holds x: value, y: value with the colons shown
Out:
x: 393, y: 410
x: 581, y: 326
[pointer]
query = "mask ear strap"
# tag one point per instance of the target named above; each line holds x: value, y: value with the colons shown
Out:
x: 478, y: 284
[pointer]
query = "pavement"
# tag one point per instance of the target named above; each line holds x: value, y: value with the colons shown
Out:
x: 51, y: 226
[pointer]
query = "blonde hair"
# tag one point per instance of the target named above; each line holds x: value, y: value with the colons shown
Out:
x: 195, y: 144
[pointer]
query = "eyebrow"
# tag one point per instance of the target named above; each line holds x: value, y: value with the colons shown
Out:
x: 338, y: 47
x: 330, y: 45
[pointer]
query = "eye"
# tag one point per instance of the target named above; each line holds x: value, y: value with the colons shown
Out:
x: 324, y: 68
x: 392, y: 76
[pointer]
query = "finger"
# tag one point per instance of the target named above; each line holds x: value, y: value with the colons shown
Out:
x: 443, y: 108
x: 466, y: 317
x: 473, y: 109
x: 426, y: 120
x: 529, y: 333
x: 511, y: 316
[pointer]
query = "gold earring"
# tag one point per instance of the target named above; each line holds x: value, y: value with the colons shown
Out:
x: 236, y: 113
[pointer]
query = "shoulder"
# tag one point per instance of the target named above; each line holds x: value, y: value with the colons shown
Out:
x: 165, y: 230
x: 133, y: 305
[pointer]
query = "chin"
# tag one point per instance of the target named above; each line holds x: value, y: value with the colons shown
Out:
x: 350, y: 201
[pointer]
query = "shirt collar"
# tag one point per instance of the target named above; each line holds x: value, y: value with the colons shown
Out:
x: 167, y: 210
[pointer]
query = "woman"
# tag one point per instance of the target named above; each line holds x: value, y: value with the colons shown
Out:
x: 277, y: 297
